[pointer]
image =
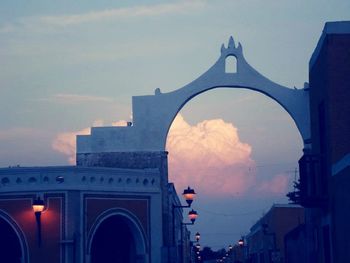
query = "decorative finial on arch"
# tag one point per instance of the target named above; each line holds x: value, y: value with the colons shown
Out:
x: 239, y: 48
x: 231, y: 48
x: 231, y: 43
x: 157, y: 91
x: 222, y: 48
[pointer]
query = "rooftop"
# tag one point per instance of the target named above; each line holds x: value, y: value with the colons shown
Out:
x: 336, y: 27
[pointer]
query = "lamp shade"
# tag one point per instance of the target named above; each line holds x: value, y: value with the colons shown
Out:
x: 192, y: 215
x: 38, y: 205
x: 189, y: 194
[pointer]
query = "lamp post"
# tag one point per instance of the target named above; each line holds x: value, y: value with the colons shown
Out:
x: 38, y: 207
x: 192, y: 216
x: 189, y: 194
x: 196, y: 247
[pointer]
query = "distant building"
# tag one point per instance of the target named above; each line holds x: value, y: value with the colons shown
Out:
x: 295, y: 245
x: 325, y: 168
x: 265, y: 242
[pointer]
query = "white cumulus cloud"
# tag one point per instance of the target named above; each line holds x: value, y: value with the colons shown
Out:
x: 65, y: 143
x: 209, y: 157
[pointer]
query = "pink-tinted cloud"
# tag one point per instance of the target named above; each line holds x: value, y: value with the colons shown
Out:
x: 277, y: 185
x: 66, y: 142
x: 209, y: 157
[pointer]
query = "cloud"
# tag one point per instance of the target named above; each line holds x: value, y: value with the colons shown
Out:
x: 65, y: 142
x: 120, y: 13
x: 210, y: 157
x: 35, y: 23
x: 276, y: 185
x: 75, y: 98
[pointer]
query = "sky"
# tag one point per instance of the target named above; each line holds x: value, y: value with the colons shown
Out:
x: 68, y: 65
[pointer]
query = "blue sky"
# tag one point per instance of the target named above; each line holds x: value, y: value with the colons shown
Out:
x: 66, y: 64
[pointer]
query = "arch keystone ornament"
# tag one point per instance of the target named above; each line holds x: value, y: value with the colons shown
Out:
x: 154, y: 114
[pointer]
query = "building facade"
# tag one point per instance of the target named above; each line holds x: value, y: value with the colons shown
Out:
x: 325, y: 168
x: 85, y: 211
x: 118, y: 192
x: 265, y: 242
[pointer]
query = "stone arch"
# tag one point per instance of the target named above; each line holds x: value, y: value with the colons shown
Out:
x: 17, y: 239
x: 135, y: 229
x: 154, y: 114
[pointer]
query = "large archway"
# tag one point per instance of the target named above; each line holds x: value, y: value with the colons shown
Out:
x: 117, y: 238
x: 154, y: 114
x: 10, y: 244
x: 212, y: 158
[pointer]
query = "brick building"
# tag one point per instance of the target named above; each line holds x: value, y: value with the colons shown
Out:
x: 325, y: 168
x: 265, y: 241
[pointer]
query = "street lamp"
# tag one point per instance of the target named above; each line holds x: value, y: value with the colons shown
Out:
x: 38, y: 207
x: 189, y: 194
x: 241, y: 242
x: 198, y: 236
x: 192, y: 215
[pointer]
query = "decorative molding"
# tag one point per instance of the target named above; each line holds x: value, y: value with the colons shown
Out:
x: 79, y: 178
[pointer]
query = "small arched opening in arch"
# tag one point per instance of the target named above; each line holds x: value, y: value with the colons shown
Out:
x: 231, y: 64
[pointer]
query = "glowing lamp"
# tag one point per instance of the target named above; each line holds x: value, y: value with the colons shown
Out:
x: 241, y: 242
x: 189, y: 194
x: 192, y: 215
x: 230, y: 247
x: 38, y: 205
x: 198, y: 236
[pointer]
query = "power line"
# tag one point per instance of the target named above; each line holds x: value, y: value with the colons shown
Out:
x: 236, y: 214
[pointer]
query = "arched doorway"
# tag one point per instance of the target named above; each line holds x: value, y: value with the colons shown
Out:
x: 117, y: 239
x: 10, y: 246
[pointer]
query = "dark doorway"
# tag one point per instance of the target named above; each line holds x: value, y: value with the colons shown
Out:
x: 113, y: 242
x: 10, y: 247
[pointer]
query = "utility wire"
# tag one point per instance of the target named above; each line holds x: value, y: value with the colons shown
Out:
x: 236, y: 214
